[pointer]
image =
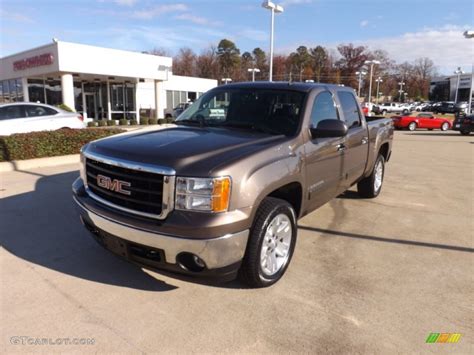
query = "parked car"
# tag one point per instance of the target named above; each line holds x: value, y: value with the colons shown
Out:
x: 178, y: 110
x: 392, y: 107
x: 220, y: 193
x: 444, y: 107
x: 464, y: 124
x: 23, y: 117
x: 422, y: 120
x: 419, y: 107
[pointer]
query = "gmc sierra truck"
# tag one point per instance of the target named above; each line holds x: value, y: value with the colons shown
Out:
x: 220, y: 193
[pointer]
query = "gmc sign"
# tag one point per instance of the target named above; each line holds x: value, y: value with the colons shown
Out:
x: 32, y: 62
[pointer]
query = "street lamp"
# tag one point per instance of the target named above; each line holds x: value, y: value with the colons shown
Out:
x: 226, y: 80
x: 470, y: 35
x: 278, y: 9
x: 458, y: 71
x: 401, y: 83
x: 371, y: 63
x: 360, y: 73
x: 378, y: 81
x: 253, y: 71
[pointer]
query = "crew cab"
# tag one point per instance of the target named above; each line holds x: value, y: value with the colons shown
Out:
x: 421, y: 120
x: 219, y: 194
x: 392, y: 107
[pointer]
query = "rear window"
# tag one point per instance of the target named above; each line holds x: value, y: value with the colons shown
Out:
x: 350, y: 108
x: 9, y: 112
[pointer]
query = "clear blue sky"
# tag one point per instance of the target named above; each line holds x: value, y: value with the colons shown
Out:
x: 406, y: 29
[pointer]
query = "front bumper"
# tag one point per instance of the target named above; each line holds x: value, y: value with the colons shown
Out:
x: 221, y: 255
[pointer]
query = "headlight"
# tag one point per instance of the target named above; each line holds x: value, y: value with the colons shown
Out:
x: 203, y: 194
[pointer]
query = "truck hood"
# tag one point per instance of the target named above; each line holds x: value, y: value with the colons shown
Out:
x: 192, y: 151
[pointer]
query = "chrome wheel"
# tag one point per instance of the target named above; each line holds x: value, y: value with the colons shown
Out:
x: 445, y: 126
x: 412, y: 126
x: 378, y: 178
x: 276, y: 245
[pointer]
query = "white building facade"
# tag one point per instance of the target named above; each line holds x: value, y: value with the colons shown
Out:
x: 100, y: 83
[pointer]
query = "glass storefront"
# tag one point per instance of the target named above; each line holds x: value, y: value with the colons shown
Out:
x: 122, y: 100
x: 36, y: 90
x: 11, y: 91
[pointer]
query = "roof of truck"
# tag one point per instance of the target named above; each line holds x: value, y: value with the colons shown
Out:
x: 281, y: 85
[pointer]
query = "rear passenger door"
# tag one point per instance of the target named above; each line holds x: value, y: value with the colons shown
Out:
x: 356, y: 145
x: 41, y: 118
x: 323, y: 156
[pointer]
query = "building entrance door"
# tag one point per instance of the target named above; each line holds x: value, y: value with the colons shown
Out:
x: 91, y: 105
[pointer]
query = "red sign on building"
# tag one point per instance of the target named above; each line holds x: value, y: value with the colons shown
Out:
x: 32, y: 62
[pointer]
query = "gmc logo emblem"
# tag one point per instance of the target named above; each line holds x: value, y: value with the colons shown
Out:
x: 113, y: 185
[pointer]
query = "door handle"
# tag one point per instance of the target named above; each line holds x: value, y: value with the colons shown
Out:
x: 341, y: 147
x: 365, y: 140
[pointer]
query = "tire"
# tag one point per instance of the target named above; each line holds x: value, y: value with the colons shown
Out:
x: 465, y: 133
x: 445, y: 126
x: 257, y: 271
x: 371, y: 186
x: 412, y: 126
x: 405, y: 112
x: 384, y: 112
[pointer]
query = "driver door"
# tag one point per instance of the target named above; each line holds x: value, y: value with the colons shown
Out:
x: 324, y: 156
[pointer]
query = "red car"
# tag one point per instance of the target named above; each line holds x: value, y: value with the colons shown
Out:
x: 422, y: 120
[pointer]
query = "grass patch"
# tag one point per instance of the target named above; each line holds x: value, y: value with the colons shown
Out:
x: 49, y: 143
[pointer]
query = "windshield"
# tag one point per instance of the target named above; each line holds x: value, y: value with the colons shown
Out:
x: 270, y: 111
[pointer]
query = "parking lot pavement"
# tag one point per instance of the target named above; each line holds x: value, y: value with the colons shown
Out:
x: 372, y: 276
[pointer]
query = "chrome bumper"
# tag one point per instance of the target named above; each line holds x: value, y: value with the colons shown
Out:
x: 216, y: 252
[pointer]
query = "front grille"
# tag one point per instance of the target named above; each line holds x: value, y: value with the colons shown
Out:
x: 146, y: 189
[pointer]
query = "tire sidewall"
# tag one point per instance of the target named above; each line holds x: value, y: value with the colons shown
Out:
x: 286, y: 209
x: 412, y: 124
x: 380, y: 158
x: 445, y: 124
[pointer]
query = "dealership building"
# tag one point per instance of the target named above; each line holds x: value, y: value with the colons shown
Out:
x: 100, y: 83
x: 444, y: 88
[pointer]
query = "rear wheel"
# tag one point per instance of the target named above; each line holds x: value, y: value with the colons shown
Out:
x: 371, y: 186
x: 445, y: 126
x: 412, y: 126
x: 271, y: 243
x: 384, y: 112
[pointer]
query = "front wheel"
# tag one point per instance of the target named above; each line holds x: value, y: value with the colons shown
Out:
x: 370, y: 186
x: 412, y: 126
x: 445, y: 126
x: 271, y: 243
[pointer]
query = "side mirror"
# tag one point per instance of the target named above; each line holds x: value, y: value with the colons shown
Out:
x: 329, y: 128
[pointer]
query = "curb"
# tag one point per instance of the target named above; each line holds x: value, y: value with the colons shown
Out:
x: 39, y: 163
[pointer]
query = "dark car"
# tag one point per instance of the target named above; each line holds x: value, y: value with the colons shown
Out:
x: 464, y: 124
x: 445, y: 107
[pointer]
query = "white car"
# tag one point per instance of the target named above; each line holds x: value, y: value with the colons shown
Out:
x: 24, y: 117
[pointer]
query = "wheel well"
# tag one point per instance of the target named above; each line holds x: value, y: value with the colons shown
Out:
x: 384, y: 151
x: 291, y: 193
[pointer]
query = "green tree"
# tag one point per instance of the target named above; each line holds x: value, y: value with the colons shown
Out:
x: 228, y: 56
x: 319, y: 58
x: 300, y: 59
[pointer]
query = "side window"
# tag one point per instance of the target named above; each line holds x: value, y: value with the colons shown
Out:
x: 324, y: 108
x: 10, y: 112
x: 350, y: 108
x: 35, y: 111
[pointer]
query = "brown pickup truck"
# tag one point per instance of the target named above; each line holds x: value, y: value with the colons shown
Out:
x: 220, y: 193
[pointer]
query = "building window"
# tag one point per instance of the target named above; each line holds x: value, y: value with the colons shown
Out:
x: 53, y: 92
x: 2, y: 100
x: 19, y: 91
x: 169, y: 99
x: 36, y: 90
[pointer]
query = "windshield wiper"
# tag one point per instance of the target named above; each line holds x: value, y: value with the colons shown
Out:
x: 250, y: 126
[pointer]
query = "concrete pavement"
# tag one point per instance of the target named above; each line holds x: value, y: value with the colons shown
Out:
x: 368, y: 276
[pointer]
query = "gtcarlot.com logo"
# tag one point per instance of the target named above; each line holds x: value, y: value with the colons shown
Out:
x: 27, y: 340
x: 443, y: 338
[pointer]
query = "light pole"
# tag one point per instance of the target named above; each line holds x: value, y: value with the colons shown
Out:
x: 360, y: 73
x: 458, y: 71
x: 378, y: 81
x: 226, y: 80
x: 371, y: 63
x: 402, y: 84
x: 470, y: 35
x: 253, y: 71
x: 278, y: 9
